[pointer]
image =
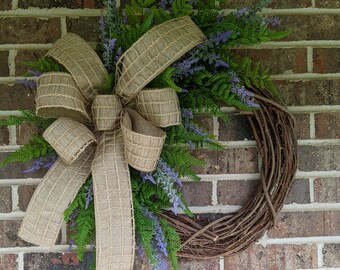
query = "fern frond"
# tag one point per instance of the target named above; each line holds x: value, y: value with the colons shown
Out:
x: 29, y: 117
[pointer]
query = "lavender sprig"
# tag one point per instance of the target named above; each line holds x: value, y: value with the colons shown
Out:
x: 42, y: 162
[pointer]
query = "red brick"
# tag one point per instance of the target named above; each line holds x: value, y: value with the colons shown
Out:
x: 237, y: 128
x: 4, y: 135
x: 206, y: 122
x: 17, y: 96
x: 327, y: 3
x: 4, y: 69
x: 61, y: 3
x: 310, y: 27
x: 9, y: 234
x: 326, y: 60
x: 327, y: 190
x: 5, y: 199
x: 310, y: 92
x: 56, y: 261
x: 22, y: 56
x: 25, y: 132
x: 319, y: 158
x: 16, y: 170
x: 235, y: 192
x: 210, y: 157
x: 302, y: 126
x: 29, y: 30
x: 187, y: 264
x: 327, y: 125
x: 6, y: 4
x: 197, y: 193
x: 274, y: 257
x: 306, y: 224
x: 299, y: 192
x: 86, y: 27
x: 279, y: 60
x: 25, y: 195
x: 238, y: 160
x: 274, y: 4
x: 8, y: 261
x: 331, y: 255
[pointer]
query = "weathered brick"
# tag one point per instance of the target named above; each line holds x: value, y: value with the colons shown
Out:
x: 9, y: 234
x: 279, y: 60
x: 299, y: 192
x: 274, y: 4
x: 20, y: 67
x: 29, y: 30
x: 61, y: 3
x: 306, y: 224
x: 206, y: 122
x: 310, y: 92
x: 17, y: 96
x: 235, y: 192
x: 327, y: 190
x: 187, y: 264
x: 319, y: 158
x: 4, y: 135
x: 327, y: 125
x: 326, y: 60
x: 16, y: 170
x: 197, y: 193
x: 8, y: 262
x: 327, y: 3
x: 6, y: 4
x: 4, y: 69
x: 310, y: 27
x: 238, y: 160
x: 274, y: 257
x: 25, y: 132
x: 5, y: 199
x: 56, y: 261
x: 25, y: 195
x: 302, y: 125
x: 237, y: 128
x: 331, y: 255
x: 86, y: 27
x: 210, y: 157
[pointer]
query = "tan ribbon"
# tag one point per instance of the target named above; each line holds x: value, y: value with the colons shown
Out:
x: 103, y: 134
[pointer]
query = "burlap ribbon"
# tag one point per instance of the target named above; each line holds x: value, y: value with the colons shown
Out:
x: 102, y: 134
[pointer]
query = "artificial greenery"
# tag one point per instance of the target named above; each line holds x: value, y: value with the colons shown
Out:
x: 208, y: 76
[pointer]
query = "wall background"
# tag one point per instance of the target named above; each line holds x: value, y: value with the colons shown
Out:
x: 306, y: 67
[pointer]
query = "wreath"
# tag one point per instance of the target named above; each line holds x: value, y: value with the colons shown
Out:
x: 118, y: 133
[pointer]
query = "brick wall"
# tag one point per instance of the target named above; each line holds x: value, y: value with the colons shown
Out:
x: 306, y: 67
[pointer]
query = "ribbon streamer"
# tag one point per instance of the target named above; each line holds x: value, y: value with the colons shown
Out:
x: 106, y: 138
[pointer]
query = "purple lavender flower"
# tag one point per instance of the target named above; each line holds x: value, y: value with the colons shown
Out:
x: 70, y: 245
x: 89, y: 195
x: 30, y: 83
x: 42, y: 162
x: 186, y: 68
x: 219, y: 37
x: 245, y: 96
x: 273, y: 21
x: 221, y: 63
x: 242, y: 12
x: 148, y: 176
x: 186, y: 114
x: 34, y: 72
x: 165, y: 167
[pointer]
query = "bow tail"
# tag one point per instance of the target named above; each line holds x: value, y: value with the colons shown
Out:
x: 45, y: 213
x: 115, y: 243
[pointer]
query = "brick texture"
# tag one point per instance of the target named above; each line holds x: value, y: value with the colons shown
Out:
x: 9, y: 234
x: 327, y: 3
x: 299, y: 192
x: 302, y: 126
x: 5, y: 4
x: 306, y: 224
x: 235, y: 192
x: 331, y: 253
x: 327, y: 125
x: 25, y: 132
x: 29, y: 30
x: 22, y: 56
x: 204, y: 121
x: 199, y: 264
x: 61, y: 3
x: 4, y: 70
x: 326, y: 60
x: 197, y: 193
x: 4, y: 136
x: 327, y: 190
x: 5, y: 199
x: 237, y: 128
x: 17, y: 96
x: 25, y: 195
x: 8, y: 262
x: 86, y: 27
x: 274, y: 4
x: 274, y: 257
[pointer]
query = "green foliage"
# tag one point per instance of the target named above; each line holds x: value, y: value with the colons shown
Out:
x: 109, y: 84
x: 165, y: 79
x: 36, y: 147
x: 173, y: 242
x: 253, y: 76
x: 28, y: 117
x: 44, y: 64
x: 181, y: 8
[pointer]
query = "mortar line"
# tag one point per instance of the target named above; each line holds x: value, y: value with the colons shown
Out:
x: 298, y: 109
x: 64, y: 233
x: 35, y: 249
x: 221, y: 263
x: 310, y: 62
x: 18, y: 182
x: 214, y: 199
x: 12, y: 135
x: 63, y: 26
x: 11, y: 61
x: 299, y: 240
x: 313, y: 3
x: 20, y: 260
x: 320, y: 247
x: 15, y: 4
x: 216, y: 127
x: 311, y: 190
x: 312, y: 125
x: 15, y: 199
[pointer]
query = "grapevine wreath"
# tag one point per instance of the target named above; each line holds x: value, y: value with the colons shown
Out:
x: 118, y: 133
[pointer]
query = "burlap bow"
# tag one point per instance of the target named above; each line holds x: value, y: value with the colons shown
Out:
x: 107, y: 138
